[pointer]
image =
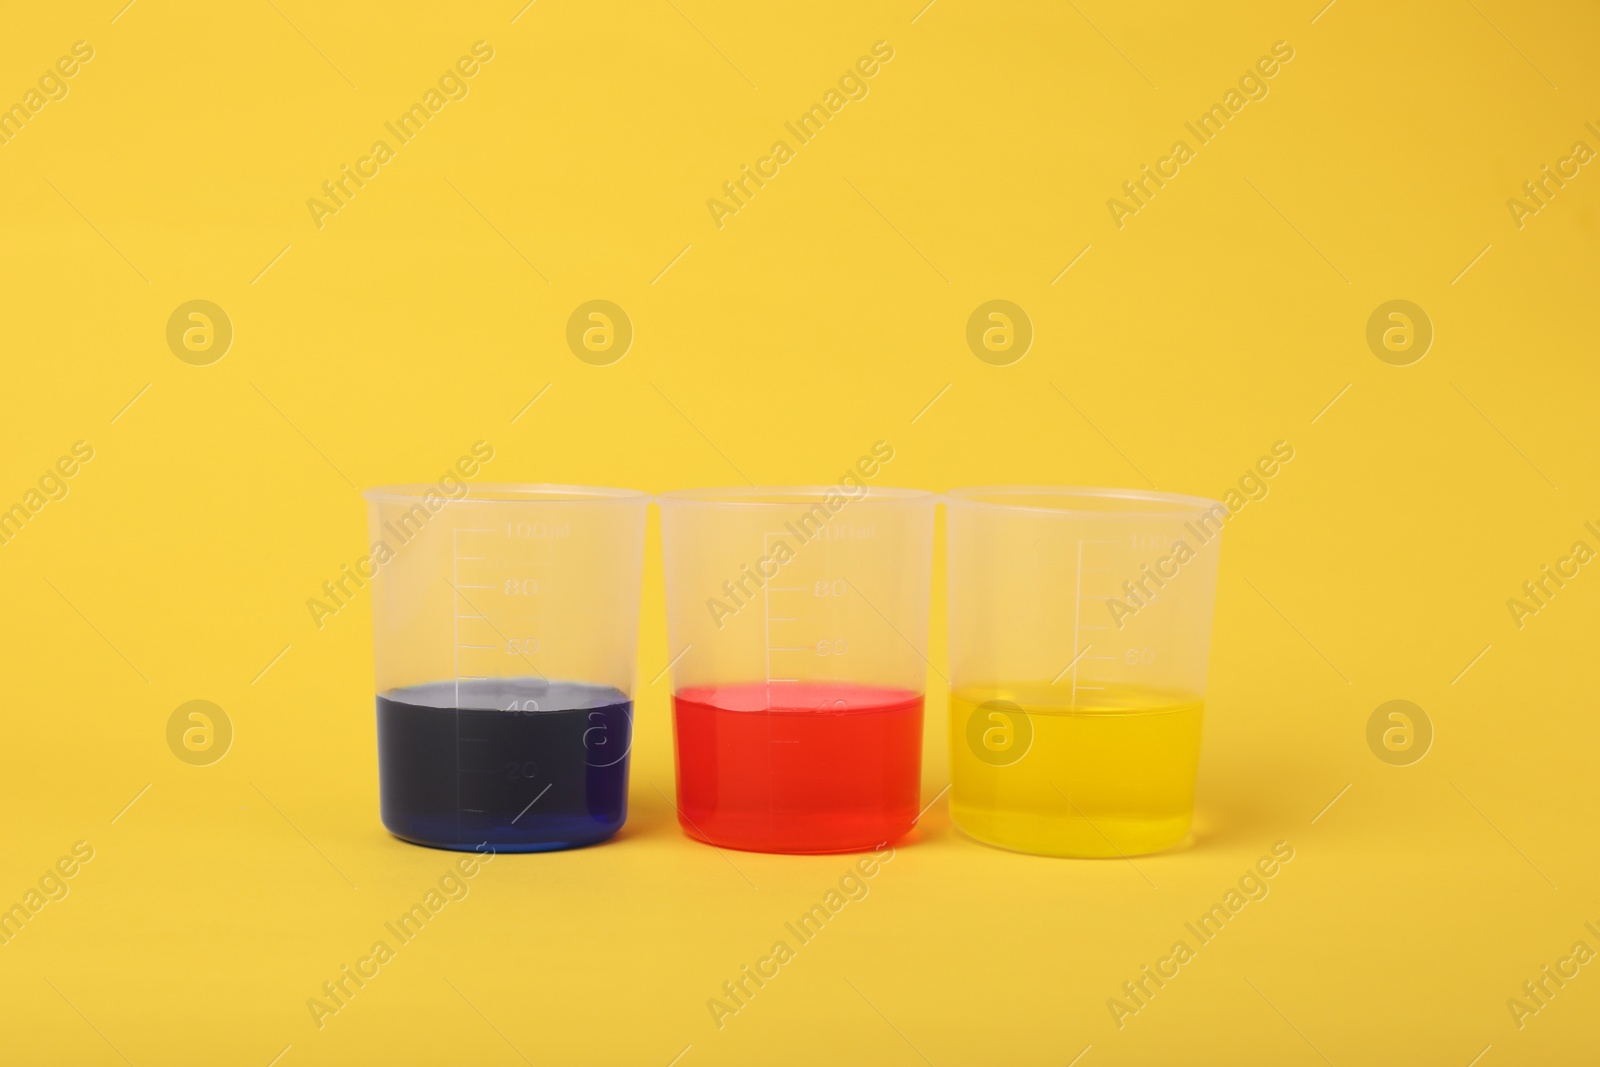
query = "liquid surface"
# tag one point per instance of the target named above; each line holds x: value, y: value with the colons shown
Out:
x: 1109, y: 775
x: 798, y: 767
x: 522, y: 764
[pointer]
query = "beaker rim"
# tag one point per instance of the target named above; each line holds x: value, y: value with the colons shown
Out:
x: 766, y: 496
x: 511, y: 493
x: 1104, y: 501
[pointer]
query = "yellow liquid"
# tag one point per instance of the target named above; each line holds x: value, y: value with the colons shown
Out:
x: 1108, y: 774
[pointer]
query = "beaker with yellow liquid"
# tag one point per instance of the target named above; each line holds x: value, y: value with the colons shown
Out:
x: 1080, y: 626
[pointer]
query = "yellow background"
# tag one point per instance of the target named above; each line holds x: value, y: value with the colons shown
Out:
x: 826, y: 315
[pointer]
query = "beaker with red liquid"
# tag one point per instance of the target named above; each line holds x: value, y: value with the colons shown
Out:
x: 798, y: 619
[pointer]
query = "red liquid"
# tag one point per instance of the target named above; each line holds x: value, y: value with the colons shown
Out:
x: 798, y: 766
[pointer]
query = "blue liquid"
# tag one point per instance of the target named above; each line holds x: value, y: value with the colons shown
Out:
x: 522, y: 764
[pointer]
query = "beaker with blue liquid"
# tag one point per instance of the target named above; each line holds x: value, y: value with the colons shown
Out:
x: 505, y: 622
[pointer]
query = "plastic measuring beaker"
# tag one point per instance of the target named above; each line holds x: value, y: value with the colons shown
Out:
x: 799, y: 622
x: 1080, y: 626
x: 505, y: 620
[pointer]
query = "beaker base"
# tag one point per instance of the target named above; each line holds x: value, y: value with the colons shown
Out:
x: 810, y: 847
x: 497, y: 848
x: 1071, y: 837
